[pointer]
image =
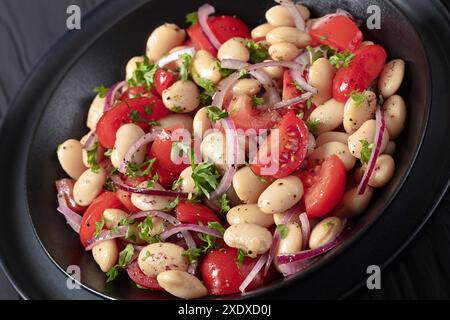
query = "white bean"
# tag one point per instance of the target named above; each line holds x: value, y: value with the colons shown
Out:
x: 324, y: 232
x: 281, y: 195
x: 356, y: 113
x: 327, y: 116
x: 365, y: 132
x: 321, y: 75
x: 106, y: 254
x: 261, y: 30
x: 159, y: 257
x: 333, y: 148
x: 352, y: 204
x: 233, y: 48
x: 248, y: 186
x: 249, y: 213
x: 251, y: 238
x: 390, y: 148
x: 132, y: 66
x: 288, y: 34
x: 279, y: 217
x: 162, y: 39
x: 98, y: 154
x: 95, y: 112
x: 274, y: 72
x: 395, y: 115
x: 213, y: 147
x: 187, y: 183
x: 113, y: 216
x: 293, y: 240
x: 383, y: 171
x: 283, y: 51
x: 126, y: 136
x: 70, y: 158
x: 174, y: 119
x: 181, y: 284
x: 181, y: 97
x: 205, y: 67
x: 150, y: 202
x: 332, y: 136
x: 201, y: 123
x: 88, y: 186
x: 249, y: 87
x: 391, y: 77
x: 280, y: 16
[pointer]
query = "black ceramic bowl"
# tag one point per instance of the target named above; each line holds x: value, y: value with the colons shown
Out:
x: 52, y: 106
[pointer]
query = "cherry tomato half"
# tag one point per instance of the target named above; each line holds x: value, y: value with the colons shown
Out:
x: 194, y: 213
x: 163, y: 80
x: 141, y: 279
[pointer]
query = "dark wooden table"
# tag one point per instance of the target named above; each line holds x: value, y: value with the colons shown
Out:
x: 27, y: 30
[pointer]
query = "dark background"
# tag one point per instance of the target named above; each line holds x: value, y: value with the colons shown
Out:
x: 28, y: 28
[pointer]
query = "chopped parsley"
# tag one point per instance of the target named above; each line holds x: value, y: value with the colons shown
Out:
x: 224, y: 72
x: 99, y: 227
x: 177, y: 183
x: 309, y: 103
x: 312, y: 125
x: 215, y: 114
x: 258, y: 53
x: 298, y: 87
x: 110, y: 186
x: 101, y: 91
x: 149, y: 109
x: 176, y: 109
x: 108, y: 153
x: 283, y: 230
x: 207, y: 85
x: 380, y: 100
x: 205, y: 175
x: 146, y: 228
x: 209, y: 242
x: 179, y: 149
x: 192, y: 18
x: 257, y: 101
x: 240, y: 257
x: 301, y: 115
x: 243, y: 73
x: 125, y: 257
x: 136, y: 117
x: 323, y: 38
x: 358, y: 97
x: 341, y: 59
x: 224, y: 204
x: 205, y: 98
x: 186, y: 66
x: 135, y: 170
x: 173, y: 204
x: 92, y: 158
x: 322, y: 52
x: 366, y: 151
x: 144, y: 74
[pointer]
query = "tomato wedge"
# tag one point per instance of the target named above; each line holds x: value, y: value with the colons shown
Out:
x: 223, y: 27
x: 221, y: 275
x: 364, y: 68
x: 93, y: 214
x: 163, y: 80
x: 194, y: 213
x: 324, y: 186
x: 293, y: 145
x: 245, y: 116
x: 141, y: 279
x: 337, y: 31
x: 143, y: 109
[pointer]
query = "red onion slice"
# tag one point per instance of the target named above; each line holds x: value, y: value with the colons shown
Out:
x: 288, y: 269
x: 379, y: 139
x: 294, y: 101
x: 163, y: 193
x: 120, y: 232
x: 146, y: 138
x: 258, y: 266
x: 154, y: 213
x: 203, y: 12
x: 175, y: 56
x: 298, y: 18
x: 306, y: 229
x: 90, y: 141
x: 276, y: 239
x: 111, y: 96
x: 232, y: 146
x: 223, y: 88
x: 303, y: 58
x: 73, y: 219
x: 189, y: 227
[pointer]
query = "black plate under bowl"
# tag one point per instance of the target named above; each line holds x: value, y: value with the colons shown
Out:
x: 35, y: 242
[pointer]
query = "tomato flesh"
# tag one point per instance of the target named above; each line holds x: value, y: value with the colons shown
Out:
x: 337, y: 31
x: 114, y: 118
x: 221, y: 275
x: 139, y: 91
x: 290, y: 91
x: 163, y: 80
x: 93, y: 214
x: 140, y: 278
x: 293, y: 145
x: 364, y: 68
x: 125, y: 198
x: 194, y: 213
x: 223, y: 27
x: 324, y: 187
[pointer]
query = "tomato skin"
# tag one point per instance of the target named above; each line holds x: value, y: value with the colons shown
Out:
x: 324, y: 187
x: 223, y: 27
x: 162, y: 148
x: 66, y: 187
x: 93, y: 214
x: 339, y: 32
x: 194, y: 213
x: 221, y: 275
x: 111, y: 120
x: 364, y: 68
x: 166, y: 177
x: 140, y: 278
x: 125, y: 198
x: 293, y: 145
x: 163, y: 80
x: 246, y: 117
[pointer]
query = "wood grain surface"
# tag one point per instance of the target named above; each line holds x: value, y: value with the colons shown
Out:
x: 28, y: 28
